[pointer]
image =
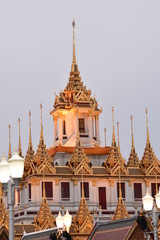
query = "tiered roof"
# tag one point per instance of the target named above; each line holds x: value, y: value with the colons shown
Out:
x: 83, y: 221
x: 44, y: 218
x: 149, y: 163
x: 75, y: 94
x: 115, y: 161
x: 79, y: 162
x: 133, y: 160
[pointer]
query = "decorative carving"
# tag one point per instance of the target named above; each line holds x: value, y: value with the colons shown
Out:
x: 4, y: 218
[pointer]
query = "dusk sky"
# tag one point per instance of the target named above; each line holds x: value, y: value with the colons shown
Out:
x: 118, y: 55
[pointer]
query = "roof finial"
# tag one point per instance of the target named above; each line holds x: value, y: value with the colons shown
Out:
x: 41, y: 136
x: 19, y: 144
x: 82, y: 185
x: 30, y: 136
x: 74, y: 54
x: 118, y: 134
x: 9, y: 152
x: 113, y: 134
x: 120, y: 190
x: 132, y: 131
x: 147, y: 126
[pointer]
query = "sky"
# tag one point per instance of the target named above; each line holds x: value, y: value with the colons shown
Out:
x: 118, y: 55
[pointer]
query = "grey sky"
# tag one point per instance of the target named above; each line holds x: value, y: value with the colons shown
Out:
x: 118, y: 54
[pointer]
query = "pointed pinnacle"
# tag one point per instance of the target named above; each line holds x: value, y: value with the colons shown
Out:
x: 132, y: 132
x: 30, y: 136
x: 147, y: 126
x: 118, y: 134
x: 113, y: 134
x: 41, y: 135
x: 74, y: 54
x: 9, y: 152
x: 19, y: 144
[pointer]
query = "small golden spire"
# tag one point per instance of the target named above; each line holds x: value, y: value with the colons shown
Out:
x: 132, y: 131
x: 44, y: 191
x: 19, y: 144
x: 41, y: 136
x: 82, y: 185
x: 74, y: 53
x: 9, y: 152
x: 120, y: 190
x: 118, y: 134
x: 105, y: 137
x: 113, y: 134
x: 147, y: 126
x: 30, y: 136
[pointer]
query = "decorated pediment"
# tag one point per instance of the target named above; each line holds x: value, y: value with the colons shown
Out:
x: 119, y: 167
x: 46, y: 168
x: 83, y: 167
x: 153, y: 169
x: 81, y: 97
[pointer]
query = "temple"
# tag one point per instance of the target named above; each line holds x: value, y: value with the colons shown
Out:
x: 77, y: 173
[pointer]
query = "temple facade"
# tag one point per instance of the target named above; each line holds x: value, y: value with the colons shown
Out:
x: 94, y: 183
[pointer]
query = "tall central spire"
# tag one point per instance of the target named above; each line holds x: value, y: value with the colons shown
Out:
x: 74, y: 53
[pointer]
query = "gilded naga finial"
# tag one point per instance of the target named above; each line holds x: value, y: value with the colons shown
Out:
x: 9, y: 152
x: 132, y: 131
x: 19, y: 144
x: 147, y: 126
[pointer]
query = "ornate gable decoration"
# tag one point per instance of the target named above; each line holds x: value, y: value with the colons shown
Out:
x: 79, y: 162
x: 83, y: 222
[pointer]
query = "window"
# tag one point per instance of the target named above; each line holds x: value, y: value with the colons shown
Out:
x: 48, y: 190
x: 65, y: 191
x: 64, y: 127
x: 137, y: 191
x: 153, y: 188
x: 86, y: 189
x: 29, y: 192
x: 81, y: 125
x: 122, y: 190
x: 17, y: 196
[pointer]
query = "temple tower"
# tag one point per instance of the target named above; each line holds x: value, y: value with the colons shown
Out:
x: 75, y: 108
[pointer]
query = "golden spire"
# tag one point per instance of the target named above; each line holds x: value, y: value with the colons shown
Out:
x: 113, y: 134
x: 30, y: 136
x: 19, y: 144
x: 44, y: 190
x: 74, y: 53
x: 148, y: 141
x: 118, y: 135
x: 9, y: 152
x: 41, y: 135
x: 133, y: 160
x: 132, y: 132
x: 121, y: 211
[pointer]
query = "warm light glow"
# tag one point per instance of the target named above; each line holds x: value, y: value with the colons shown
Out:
x: 67, y: 219
x: 147, y: 202
x: 157, y: 197
x: 59, y: 221
x: 4, y: 170
x: 16, y: 165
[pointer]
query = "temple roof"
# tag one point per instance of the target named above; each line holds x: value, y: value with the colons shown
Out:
x: 83, y: 221
x: 79, y: 161
x: 133, y: 160
x: 44, y: 218
x: 75, y: 93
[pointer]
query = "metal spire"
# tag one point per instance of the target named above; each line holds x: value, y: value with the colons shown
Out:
x: 19, y: 144
x: 41, y: 135
x: 9, y: 152
x: 148, y: 141
x: 132, y: 131
x: 118, y: 134
x: 30, y: 136
x: 74, y: 53
x: 113, y: 134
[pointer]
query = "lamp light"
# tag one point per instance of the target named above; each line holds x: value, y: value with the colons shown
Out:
x: 157, y: 197
x: 59, y: 221
x: 4, y: 170
x: 16, y: 165
x: 147, y: 202
x: 67, y: 220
